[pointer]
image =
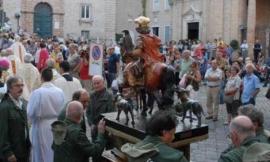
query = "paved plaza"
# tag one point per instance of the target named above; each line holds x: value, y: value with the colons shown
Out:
x: 210, y: 149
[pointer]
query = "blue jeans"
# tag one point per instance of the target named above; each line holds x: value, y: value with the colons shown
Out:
x: 110, y: 77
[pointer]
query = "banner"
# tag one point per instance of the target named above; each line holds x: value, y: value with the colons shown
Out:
x: 95, y: 59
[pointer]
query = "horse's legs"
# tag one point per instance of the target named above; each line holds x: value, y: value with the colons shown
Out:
x: 150, y: 102
x: 143, y: 97
x: 137, y: 101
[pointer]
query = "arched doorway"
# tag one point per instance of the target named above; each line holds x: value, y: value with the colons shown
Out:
x: 43, y: 18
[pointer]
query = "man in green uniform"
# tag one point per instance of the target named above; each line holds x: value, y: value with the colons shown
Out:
x: 242, y: 134
x: 257, y: 118
x: 14, y: 134
x: 75, y: 147
x: 160, y: 129
x: 83, y: 97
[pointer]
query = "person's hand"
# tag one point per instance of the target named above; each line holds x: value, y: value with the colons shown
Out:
x: 101, y: 126
x: 12, y: 158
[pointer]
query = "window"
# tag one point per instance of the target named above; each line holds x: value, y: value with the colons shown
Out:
x: 167, y: 33
x: 155, y: 31
x: 156, y: 5
x: 86, y: 11
x: 167, y: 4
x: 85, y: 34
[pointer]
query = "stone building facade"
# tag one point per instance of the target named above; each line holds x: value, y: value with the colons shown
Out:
x: 92, y: 19
x: 211, y: 19
x: 207, y: 19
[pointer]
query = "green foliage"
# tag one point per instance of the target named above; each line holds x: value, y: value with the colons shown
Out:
x: 234, y: 44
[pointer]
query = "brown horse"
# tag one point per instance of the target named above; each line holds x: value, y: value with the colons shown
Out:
x: 157, y: 78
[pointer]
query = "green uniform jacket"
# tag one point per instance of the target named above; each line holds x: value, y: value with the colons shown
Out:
x: 62, y: 117
x: 166, y: 153
x: 100, y: 102
x: 14, y: 132
x: 76, y: 147
x: 263, y: 136
x: 233, y: 154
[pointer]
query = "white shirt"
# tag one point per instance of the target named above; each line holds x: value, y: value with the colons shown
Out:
x: 68, y: 87
x: 214, y: 73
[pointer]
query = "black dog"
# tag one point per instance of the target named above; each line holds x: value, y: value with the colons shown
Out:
x: 124, y: 105
x: 187, y: 104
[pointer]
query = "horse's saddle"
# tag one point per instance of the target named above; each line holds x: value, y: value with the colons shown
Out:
x: 140, y: 74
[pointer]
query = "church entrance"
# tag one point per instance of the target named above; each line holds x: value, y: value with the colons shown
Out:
x: 193, y: 30
x: 43, y: 18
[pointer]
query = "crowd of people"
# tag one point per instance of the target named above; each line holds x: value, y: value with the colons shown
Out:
x: 50, y: 106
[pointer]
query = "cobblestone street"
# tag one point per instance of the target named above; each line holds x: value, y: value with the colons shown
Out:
x: 210, y: 149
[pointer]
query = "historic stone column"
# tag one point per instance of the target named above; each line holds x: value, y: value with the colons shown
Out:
x: 251, y: 26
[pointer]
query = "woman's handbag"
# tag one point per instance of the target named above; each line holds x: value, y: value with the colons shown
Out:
x: 228, y: 98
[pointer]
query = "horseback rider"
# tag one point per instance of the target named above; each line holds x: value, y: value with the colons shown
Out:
x: 146, y: 49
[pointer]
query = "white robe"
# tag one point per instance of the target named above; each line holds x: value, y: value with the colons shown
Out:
x: 30, y: 76
x: 17, y: 66
x: 18, y: 50
x: 68, y: 87
x: 44, y: 106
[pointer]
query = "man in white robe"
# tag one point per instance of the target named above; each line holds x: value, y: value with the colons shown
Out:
x: 67, y: 82
x: 18, y: 49
x: 30, y: 75
x: 44, y: 106
x: 15, y: 65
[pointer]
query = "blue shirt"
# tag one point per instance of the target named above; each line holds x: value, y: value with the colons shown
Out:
x: 112, y: 61
x: 251, y: 83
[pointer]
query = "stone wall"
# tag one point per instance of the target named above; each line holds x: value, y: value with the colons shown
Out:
x: 217, y: 18
x: 27, y: 11
x: 127, y: 11
x: 263, y: 23
x: 11, y: 7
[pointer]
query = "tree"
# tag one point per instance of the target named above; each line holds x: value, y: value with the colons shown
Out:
x: 234, y: 44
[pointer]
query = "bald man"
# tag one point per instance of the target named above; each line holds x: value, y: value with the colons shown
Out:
x: 257, y: 118
x: 83, y: 97
x: 242, y: 134
x: 100, y: 102
x: 76, y: 146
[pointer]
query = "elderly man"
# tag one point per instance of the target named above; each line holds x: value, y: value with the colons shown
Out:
x: 67, y: 82
x: 75, y: 146
x: 83, y: 97
x: 257, y: 119
x: 214, y: 78
x: 30, y: 75
x: 251, y: 86
x: 14, y: 134
x: 101, y: 101
x: 242, y: 134
x: 45, y: 104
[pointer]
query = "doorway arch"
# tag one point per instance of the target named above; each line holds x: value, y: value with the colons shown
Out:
x: 43, y: 19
